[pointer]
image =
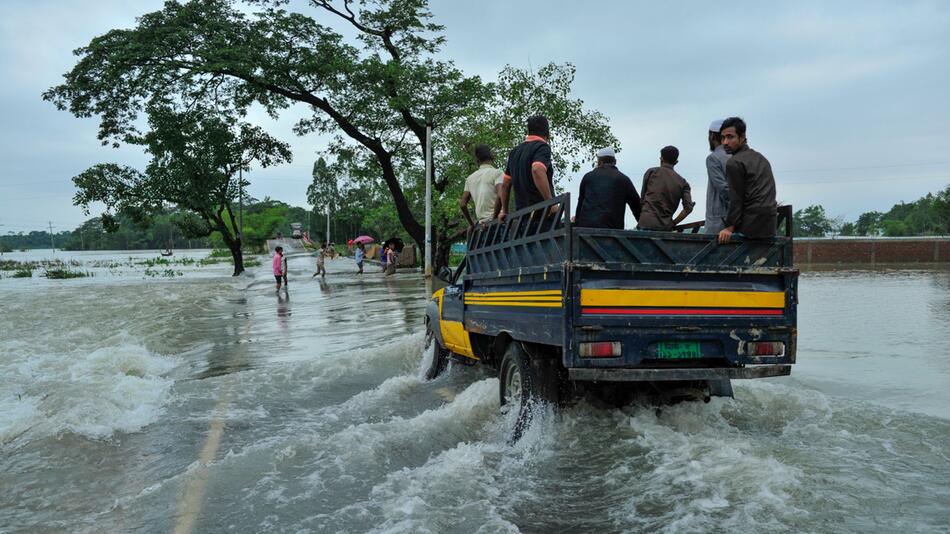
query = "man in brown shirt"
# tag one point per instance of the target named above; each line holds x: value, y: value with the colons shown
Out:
x: 751, y: 187
x: 663, y: 189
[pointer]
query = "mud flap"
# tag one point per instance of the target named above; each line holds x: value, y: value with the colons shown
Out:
x: 720, y: 388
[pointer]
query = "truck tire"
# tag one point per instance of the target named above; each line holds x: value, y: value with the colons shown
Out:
x: 522, y: 386
x: 435, y: 359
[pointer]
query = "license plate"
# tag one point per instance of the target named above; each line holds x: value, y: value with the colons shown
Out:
x: 677, y: 350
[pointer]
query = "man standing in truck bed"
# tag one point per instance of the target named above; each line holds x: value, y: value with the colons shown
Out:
x: 751, y: 187
x: 529, y: 171
x: 482, y: 186
x: 663, y: 189
x: 604, y: 193
x: 717, y: 190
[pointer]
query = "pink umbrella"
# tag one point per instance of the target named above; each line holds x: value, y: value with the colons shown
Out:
x: 365, y: 239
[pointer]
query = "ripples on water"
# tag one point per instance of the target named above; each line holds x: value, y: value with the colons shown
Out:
x: 312, y: 417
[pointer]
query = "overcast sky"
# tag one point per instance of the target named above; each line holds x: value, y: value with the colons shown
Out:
x: 848, y: 101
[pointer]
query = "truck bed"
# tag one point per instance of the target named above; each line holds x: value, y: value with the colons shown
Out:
x: 539, y: 279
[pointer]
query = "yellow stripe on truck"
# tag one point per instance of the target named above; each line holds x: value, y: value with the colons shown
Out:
x: 682, y: 298
x: 526, y: 299
x: 546, y: 293
x: 514, y: 303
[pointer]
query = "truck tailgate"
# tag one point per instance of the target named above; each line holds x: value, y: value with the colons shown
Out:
x: 682, y: 319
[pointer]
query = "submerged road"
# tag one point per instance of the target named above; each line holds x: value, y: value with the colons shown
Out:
x: 201, y: 403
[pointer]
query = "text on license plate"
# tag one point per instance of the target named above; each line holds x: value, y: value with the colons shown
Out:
x: 677, y: 350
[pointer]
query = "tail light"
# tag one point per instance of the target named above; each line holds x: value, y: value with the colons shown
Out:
x: 765, y: 348
x: 601, y: 349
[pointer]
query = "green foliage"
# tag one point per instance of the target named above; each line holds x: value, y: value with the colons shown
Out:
x: 372, y: 93
x: 812, y: 222
x: 24, y: 241
x: 167, y: 273
x: 928, y: 215
x: 196, y: 156
x: 848, y: 229
x: 869, y: 223
x: 63, y: 273
x: 24, y: 272
x: 4, y: 247
x: 162, y: 232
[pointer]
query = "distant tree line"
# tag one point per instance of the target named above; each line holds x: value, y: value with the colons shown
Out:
x: 928, y: 215
x: 263, y: 219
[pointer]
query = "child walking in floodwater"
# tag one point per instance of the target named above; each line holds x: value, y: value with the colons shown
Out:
x: 321, y: 261
x: 391, y: 260
x: 279, y: 267
x: 359, y: 255
x: 383, y: 257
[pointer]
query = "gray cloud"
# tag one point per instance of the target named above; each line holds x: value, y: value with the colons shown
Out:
x: 846, y: 99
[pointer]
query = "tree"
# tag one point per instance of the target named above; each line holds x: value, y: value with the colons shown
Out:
x: 324, y: 190
x: 196, y: 155
x: 869, y: 223
x: 942, y: 210
x: 374, y: 95
x: 848, y: 229
x: 812, y: 222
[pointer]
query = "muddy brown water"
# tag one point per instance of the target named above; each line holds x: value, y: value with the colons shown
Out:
x: 198, y: 402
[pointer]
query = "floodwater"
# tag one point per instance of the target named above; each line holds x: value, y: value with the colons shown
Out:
x: 197, y: 402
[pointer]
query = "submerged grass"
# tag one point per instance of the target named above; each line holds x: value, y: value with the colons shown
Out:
x: 56, y: 269
x: 63, y: 273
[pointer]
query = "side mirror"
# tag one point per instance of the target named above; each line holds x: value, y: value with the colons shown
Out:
x: 444, y: 274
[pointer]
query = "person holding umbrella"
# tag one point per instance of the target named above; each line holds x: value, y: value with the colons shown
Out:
x: 360, y: 253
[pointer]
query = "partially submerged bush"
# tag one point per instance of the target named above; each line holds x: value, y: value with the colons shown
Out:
x: 63, y: 273
x: 24, y: 272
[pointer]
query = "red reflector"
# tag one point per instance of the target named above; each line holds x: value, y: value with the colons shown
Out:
x: 601, y: 349
x: 765, y: 348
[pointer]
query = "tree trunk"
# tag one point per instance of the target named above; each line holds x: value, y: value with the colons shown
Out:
x: 237, y: 255
x: 233, y: 243
x: 442, y: 249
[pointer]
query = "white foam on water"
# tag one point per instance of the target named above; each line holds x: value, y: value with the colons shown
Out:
x: 121, y: 387
x: 361, y: 443
x: 697, y: 468
x: 428, y: 356
x: 457, y: 491
x: 396, y: 357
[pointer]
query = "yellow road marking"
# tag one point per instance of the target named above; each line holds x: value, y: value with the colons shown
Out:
x: 189, y: 505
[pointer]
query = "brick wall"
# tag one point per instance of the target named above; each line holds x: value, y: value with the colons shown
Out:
x: 872, y: 251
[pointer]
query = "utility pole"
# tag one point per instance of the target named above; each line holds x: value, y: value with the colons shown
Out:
x: 51, y: 244
x: 428, y: 240
x: 328, y: 222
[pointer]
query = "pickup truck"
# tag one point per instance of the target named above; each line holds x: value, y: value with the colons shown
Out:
x: 558, y: 310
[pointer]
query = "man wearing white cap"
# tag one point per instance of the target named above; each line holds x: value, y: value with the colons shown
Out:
x: 604, y: 193
x: 717, y: 192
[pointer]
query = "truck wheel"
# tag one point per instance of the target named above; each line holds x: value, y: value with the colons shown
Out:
x: 517, y: 389
x: 435, y: 359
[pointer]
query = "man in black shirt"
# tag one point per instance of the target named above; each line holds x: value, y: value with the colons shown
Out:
x: 751, y: 187
x: 604, y: 193
x: 529, y: 170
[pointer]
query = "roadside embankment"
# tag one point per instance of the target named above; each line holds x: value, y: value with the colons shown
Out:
x: 872, y: 251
